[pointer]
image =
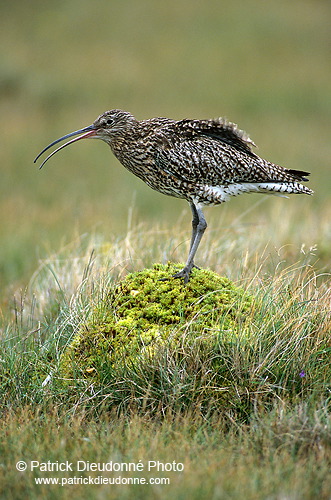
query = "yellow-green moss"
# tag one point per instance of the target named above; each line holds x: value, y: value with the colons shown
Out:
x: 142, y: 311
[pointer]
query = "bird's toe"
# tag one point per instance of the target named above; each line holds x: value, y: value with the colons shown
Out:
x: 184, y: 273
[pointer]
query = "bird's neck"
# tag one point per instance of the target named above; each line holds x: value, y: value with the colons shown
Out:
x: 121, y: 144
x: 124, y: 142
x: 133, y: 149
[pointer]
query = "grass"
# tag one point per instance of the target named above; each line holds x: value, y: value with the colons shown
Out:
x: 245, y: 416
x: 282, y: 455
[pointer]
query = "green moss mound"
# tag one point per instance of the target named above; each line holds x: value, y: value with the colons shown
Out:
x: 149, y: 308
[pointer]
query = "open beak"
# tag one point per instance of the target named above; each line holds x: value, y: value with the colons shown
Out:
x: 86, y: 132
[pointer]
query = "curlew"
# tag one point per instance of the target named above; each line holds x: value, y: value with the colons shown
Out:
x: 205, y: 162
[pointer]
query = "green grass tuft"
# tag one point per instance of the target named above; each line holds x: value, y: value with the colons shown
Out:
x: 144, y: 310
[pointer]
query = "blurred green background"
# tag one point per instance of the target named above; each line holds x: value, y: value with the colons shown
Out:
x: 264, y: 65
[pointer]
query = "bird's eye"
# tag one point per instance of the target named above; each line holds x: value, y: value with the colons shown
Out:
x: 109, y: 121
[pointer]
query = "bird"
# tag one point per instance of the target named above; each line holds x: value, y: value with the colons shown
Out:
x: 206, y: 162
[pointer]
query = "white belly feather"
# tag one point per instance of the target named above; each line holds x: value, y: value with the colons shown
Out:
x: 221, y: 194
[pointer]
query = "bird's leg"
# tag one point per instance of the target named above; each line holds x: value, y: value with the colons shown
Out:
x: 199, y: 226
x: 195, y: 222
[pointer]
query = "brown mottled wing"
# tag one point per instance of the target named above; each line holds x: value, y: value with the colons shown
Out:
x: 197, y: 151
x: 216, y: 152
x: 219, y: 129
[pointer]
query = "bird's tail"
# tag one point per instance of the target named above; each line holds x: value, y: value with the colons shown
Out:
x: 299, y: 175
x: 284, y: 180
x: 283, y: 188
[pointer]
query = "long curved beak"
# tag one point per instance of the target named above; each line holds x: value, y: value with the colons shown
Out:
x: 86, y: 132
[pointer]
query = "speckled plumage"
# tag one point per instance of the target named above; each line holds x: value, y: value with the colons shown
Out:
x: 205, y: 162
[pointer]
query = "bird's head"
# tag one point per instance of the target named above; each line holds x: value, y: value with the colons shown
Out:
x: 108, y: 127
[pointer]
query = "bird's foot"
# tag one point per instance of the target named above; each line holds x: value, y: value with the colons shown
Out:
x: 183, y: 273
